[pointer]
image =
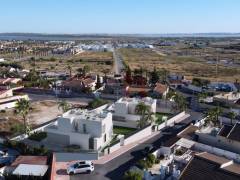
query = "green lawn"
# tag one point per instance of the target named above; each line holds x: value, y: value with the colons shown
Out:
x: 122, y: 130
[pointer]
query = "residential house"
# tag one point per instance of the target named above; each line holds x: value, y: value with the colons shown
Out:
x: 8, y: 100
x: 227, y: 98
x: 124, y: 110
x: 80, y: 84
x: 140, y: 91
x: 210, y: 167
x: 89, y: 129
x: 160, y: 90
x: 28, y: 166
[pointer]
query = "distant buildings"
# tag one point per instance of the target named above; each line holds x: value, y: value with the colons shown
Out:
x: 87, y: 129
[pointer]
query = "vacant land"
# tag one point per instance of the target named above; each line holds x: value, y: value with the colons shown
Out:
x: 190, y: 66
x: 97, y: 61
x: 41, y: 112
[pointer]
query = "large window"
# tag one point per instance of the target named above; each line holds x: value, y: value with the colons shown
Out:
x: 84, y: 128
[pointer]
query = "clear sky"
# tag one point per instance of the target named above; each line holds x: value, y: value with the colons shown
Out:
x: 119, y: 16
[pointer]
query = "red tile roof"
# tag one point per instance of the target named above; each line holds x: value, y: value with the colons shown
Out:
x: 160, y: 88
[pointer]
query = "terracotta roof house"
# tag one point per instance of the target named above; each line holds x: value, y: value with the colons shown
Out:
x: 206, y: 166
x: 78, y: 85
x: 160, y: 90
x: 137, y: 91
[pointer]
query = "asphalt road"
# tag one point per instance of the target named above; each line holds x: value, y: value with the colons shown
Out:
x: 115, y: 169
x: 118, y: 62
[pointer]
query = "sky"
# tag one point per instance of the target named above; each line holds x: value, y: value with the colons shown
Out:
x: 120, y: 16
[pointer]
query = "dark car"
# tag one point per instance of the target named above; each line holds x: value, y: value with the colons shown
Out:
x: 147, y: 150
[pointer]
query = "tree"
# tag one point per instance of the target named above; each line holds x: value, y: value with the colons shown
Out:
x: 180, y: 102
x: 163, y: 75
x: 145, y: 112
x: 64, y: 106
x: 23, y: 108
x: 154, y: 76
x: 212, y: 116
x: 105, y: 72
x: 86, y: 69
x: 133, y: 175
x: 98, y: 83
x: 128, y: 77
x: 70, y: 70
x: 232, y: 115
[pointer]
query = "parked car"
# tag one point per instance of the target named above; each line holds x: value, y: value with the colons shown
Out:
x: 147, y: 150
x: 80, y: 167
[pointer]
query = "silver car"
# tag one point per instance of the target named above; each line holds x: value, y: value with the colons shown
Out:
x: 80, y: 167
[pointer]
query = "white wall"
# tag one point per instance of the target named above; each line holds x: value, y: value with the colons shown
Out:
x: 217, y: 151
x: 139, y: 135
x: 219, y: 141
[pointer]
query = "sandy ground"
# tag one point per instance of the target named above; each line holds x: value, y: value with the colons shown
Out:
x: 43, y: 111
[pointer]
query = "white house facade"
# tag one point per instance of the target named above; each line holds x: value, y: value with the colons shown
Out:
x: 124, y: 110
x: 91, y: 130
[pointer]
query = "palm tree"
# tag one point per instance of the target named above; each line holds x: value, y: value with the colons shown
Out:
x: 180, y: 102
x: 146, y: 115
x: 86, y: 69
x: 212, y: 116
x: 23, y: 108
x: 63, y: 105
x: 70, y: 70
x: 105, y: 72
x: 232, y: 116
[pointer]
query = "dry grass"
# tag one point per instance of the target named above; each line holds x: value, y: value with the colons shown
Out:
x: 42, y: 112
x: 188, y: 66
x: 97, y: 61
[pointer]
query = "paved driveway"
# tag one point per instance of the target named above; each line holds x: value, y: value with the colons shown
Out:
x: 115, y: 168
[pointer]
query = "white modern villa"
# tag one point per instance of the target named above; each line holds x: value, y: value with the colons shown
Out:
x: 124, y: 110
x: 90, y: 130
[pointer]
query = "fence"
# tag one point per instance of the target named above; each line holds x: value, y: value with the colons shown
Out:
x: 145, y: 132
x: 217, y: 151
x: 36, y: 129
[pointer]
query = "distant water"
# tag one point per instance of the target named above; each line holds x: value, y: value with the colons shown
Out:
x: 72, y: 37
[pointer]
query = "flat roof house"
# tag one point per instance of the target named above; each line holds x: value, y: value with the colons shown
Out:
x: 124, y: 110
x: 89, y: 129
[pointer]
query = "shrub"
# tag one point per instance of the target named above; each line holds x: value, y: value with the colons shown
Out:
x: 38, y: 136
x: 17, y: 128
x: 142, y: 164
x: 25, y: 149
x: 133, y: 175
x: 151, y: 158
x: 179, y: 152
x: 3, y: 111
x: 97, y: 103
x: 157, y: 161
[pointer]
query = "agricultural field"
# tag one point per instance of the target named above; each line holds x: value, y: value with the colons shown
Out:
x: 188, y: 65
x: 97, y: 61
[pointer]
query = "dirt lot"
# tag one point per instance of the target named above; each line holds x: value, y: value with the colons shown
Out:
x: 97, y: 61
x: 42, y: 111
x: 190, y: 66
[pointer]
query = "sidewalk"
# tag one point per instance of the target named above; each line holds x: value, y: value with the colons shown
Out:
x: 122, y: 150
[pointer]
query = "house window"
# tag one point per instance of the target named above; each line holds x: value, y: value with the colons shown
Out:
x: 105, y: 137
x: 84, y: 128
x: 103, y: 128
